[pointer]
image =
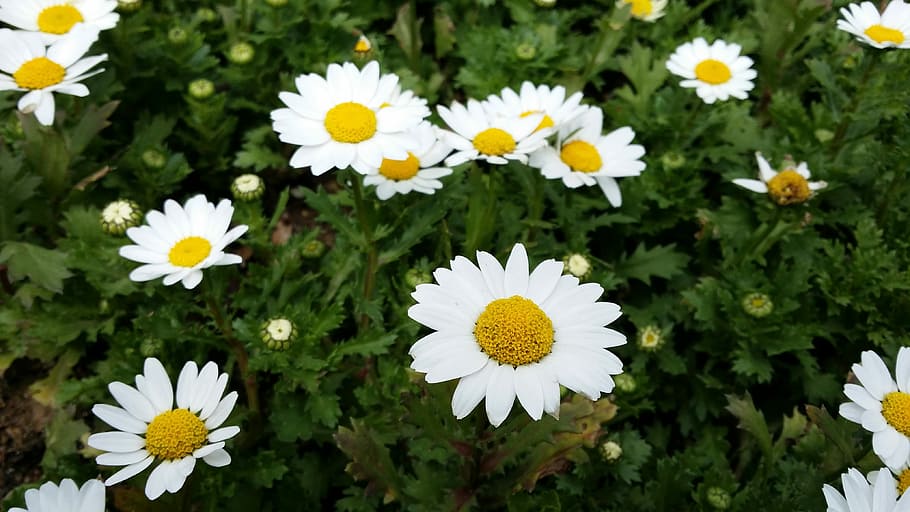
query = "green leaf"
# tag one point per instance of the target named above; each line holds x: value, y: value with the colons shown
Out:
x: 44, y: 267
x: 92, y: 121
x: 18, y: 187
x: 46, y: 153
x: 659, y: 261
x: 751, y: 420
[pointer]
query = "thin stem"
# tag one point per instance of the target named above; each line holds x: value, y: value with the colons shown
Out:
x: 243, y: 358
x: 869, y: 61
x: 363, y: 218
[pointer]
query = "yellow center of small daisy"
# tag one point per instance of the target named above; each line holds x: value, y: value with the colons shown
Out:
x: 896, y: 410
x: 514, y: 331
x: 581, y: 156
x: 175, y: 434
x: 39, y: 73
x: 189, y: 252
x: 350, y: 122
x: 494, y: 141
x: 903, y: 481
x: 58, y: 19
x: 757, y: 302
x: 546, y: 122
x: 640, y: 8
x: 400, y: 169
x: 788, y: 187
x: 881, y: 34
x: 363, y: 45
x: 713, y: 72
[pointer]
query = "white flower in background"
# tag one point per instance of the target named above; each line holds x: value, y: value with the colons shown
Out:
x: 179, y: 243
x: 27, y: 65
x: 584, y: 156
x: 717, y: 72
x: 645, y: 10
x: 552, y: 103
x: 149, y: 428
x: 507, y: 333
x: 789, y: 186
x: 890, y: 29
x: 477, y: 134
x: 418, y: 173
x: 52, y: 19
x: 877, y: 494
x: 363, y: 45
x: 65, y: 498
x: 346, y: 119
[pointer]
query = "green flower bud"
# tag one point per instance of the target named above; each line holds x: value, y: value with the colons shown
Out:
x: 719, y: 498
x: 625, y: 383
x: 415, y: 276
x: 206, y: 15
x: 577, y: 265
x: 151, y: 347
x: 154, y: 159
x: 672, y: 160
x: 313, y: 249
x: 611, y: 451
x: 129, y: 5
x: 277, y: 3
x: 247, y: 187
x: 241, y: 53
x: 545, y: 3
x: 119, y: 216
x: 525, y: 51
x: 757, y: 304
x: 650, y: 338
x: 278, y: 333
x: 823, y: 135
x: 201, y: 88
x: 177, y: 36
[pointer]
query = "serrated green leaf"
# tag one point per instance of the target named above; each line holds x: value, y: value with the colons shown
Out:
x: 751, y: 420
x: 659, y: 261
x: 44, y: 267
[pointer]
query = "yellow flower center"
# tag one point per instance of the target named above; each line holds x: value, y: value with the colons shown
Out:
x: 400, y: 169
x: 896, y: 410
x: 546, y: 122
x: 788, y: 187
x: 39, y: 73
x: 903, y: 481
x: 494, y: 141
x: 581, y: 156
x: 59, y: 19
x: 175, y: 434
x: 881, y: 34
x: 514, y: 331
x: 640, y: 8
x: 350, y: 122
x: 189, y: 252
x: 363, y: 45
x: 712, y: 71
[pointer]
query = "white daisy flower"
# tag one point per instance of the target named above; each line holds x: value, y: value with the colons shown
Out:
x: 346, y: 119
x: 882, y: 406
x: 507, y: 333
x: 65, y: 498
x: 716, y: 72
x: 645, y: 10
x: 480, y: 135
x: 52, y: 19
x: 789, y: 186
x: 552, y: 103
x: 877, y: 494
x: 418, y: 173
x: 890, y: 29
x: 583, y: 156
x: 27, y: 65
x: 179, y: 243
x: 149, y: 428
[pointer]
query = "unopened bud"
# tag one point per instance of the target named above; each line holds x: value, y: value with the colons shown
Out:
x: 119, y: 216
x: 201, y: 88
x: 278, y: 333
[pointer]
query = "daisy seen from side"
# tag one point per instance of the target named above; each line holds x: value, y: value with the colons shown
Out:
x: 789, y: 186
x: 878, y: 493
x: 419, y: 172
x: 717, y: 72
x: 888, y: 29
x: 52, y: 19
x: 66, y: 497
x: 645, y: 10
x: 477, y: 134
x: 552, y: 103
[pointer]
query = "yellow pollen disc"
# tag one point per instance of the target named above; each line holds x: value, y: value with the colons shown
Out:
x: 189, y: 252
x: 896, y: 410
x: 788, y: 187
x: 903, y: 481
x: 546, y: 122
x: 175, y: 434
x: 400, y: 169
x: 514, y: 331
x: 713, y: 72
x: 581, y: 156
x: 758, y: 302
x: 640, y: 8
x: 350, y: 122
x: 59, y: 19
x: 494, y: 141
x: 39, y: 73
x: 881, y: 34
x: 385, y: 104
x: 363, y: 45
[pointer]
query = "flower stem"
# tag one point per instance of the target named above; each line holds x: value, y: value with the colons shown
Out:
x: 366, y: 226
x: 870, y: 59
x: 224, y: 325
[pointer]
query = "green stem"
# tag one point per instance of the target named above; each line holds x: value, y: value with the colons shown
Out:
x: 223, y: 323
x: 363, y: 218
x: 414, y: 56
x: 870, y: 59
x: 535, y: 206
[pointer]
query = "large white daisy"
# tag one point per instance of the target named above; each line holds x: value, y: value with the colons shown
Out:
x: 65, y: 498
x: 507, y: 333
x: 882, y: 406
x: 877, y: 494
x: 149, y: 428
x: 55, y: 18
x: 418, y: 173
x: 552, y: 103
x: 478, y: 134
x: 179, y: 243
x: 716, y: 72
x: 889, y: 29
x: 584, y: 156
x: 789, y: 186
x: 347, y: 119
x: 27, y: 65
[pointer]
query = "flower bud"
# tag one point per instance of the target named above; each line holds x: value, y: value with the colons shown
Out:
x: 177, y: 36
x: 525, y: 51
x: 206, y: 15
x: 611, y: 451
x: 757, y: 304
x: 129, y: 5
x: 650, y: 338
x: 625, y: 383
x: 545, y: 3
x: 241, y: 53
x: 154, y: 159
x: 119, y: 216
x: 415, y: 276
x: 278, y: 333
x: 672, y: 160
x: 577, y: 265
x: 719, y: 498
x: 247, y: 187
x: 201, y: 88
x: 277, y: 3
x: 313, y: 249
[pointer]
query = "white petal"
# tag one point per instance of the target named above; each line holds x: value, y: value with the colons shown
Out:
x: 129, y: 471
x: 500, y: 394
x: 218, y: 458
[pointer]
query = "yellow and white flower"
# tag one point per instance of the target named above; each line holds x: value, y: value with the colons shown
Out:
x: 418, y: 173
x: 878, y: 493
x: 55, y: 18
x: 789, y: 186
x: 150, y: 428
x: 507, y: 333
x: 552, y: 103
x: 477, y: 134
x: 717, y: 72
x: 584, y: 156
x: 346, y: 119
x: 889, y: 29
x: 645, y: 10
x: 27, y: 65
x: 65, y: 498
x: 179, y: 243
x: 882, y: 406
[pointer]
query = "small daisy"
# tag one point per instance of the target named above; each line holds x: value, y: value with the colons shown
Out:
x: 716, y: 72
x: 552, y: 103
x: 149, y: 428
x: 507, y: 333
x: 363, y: 45
x: 65, y: 498
x: 789, y: 186
x: 27, y: 65
x: 890, y: 29
x: 479, y: 135
x: 345, y: 119
x: 52, y: 19
x: 882, y: 406
x: 120, y: 215
x: 179, y: 243
x: 418, y: 173
x: 583, y: 156
x: 645, y: 10
x: 877, y: 494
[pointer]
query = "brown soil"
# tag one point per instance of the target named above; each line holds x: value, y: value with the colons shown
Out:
x: 22, y: 423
